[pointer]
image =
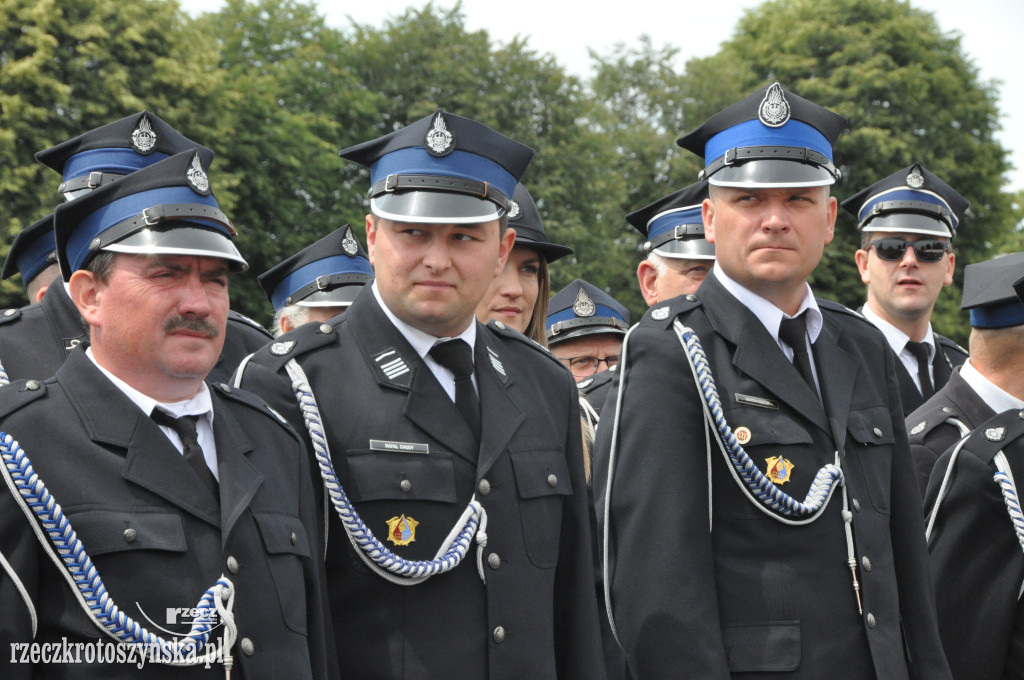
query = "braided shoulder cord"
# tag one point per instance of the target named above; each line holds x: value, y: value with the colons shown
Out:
x: 386, y: 564
x: 1004, y: 478
x: 4, y: 378
x: 77, y: 568
x: 762, y: 489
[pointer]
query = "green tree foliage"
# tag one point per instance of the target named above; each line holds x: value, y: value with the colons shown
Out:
x: 910, y: 94
x: 66, y: 67
x: 275, y: 92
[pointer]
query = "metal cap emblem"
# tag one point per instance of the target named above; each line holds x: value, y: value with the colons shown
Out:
x: 143, y: 137
x: 915, y: 180
x: 349, y: 243
x: 513, y: 210
x: 583, y: 306
x: 439, y: 141
x: 197, y: 178
x: 774, y: 110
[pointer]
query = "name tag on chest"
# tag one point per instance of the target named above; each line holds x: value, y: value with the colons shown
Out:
x: 399, y: 447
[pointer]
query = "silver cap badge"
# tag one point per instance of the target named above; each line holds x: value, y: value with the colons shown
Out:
x: 439, y: 141
x: 583, y: 306
x: 143, y: 137
x: 349, y: 243
x: 196, y: 177
x: 915, y: 180
x: 774, y: 110
x: 513, y: 210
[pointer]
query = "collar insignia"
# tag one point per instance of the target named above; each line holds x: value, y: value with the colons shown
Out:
x: 143, y: 137
x: 779, y: 469
x: 584, y: 384
x: 513, y: 210
x: 349, y: 243
x: 496, y: 362
x: 281, y: 348
x: 583, y: 306
x: 995, y: 434
x: 774, y: 110
x: 402, y: 530
x: 919, y: 428
x: 659, y: 314
x: 915, y: 180
x: 439, y: 141
x: 393, y: 366
x: 197, y: 178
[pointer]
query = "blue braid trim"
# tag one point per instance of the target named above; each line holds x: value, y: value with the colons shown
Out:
x: 358, y: 532
x: 80, y: 567
x: 762, y: 488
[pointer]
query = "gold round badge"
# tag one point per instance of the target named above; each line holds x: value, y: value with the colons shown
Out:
x: 742, y: 434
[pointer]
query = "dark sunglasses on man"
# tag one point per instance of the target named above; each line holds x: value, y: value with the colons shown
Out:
x: 927, y: 250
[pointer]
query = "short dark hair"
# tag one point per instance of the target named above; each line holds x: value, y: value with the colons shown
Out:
x: 101, y: 265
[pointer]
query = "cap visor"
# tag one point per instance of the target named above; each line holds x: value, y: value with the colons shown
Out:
x: 181, y: 240
x: 580, y: 332
x: 695, y: 249
x: 769, y: 173
x: 908, y: 223
x: 336, y: 297
x: 550, y: 251
x: 436, y: 207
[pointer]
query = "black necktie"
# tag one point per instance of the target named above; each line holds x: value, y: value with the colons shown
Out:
x: 793, y: 332
x: 457, y: 357
x: 920, y: 352
x: 185, y: 427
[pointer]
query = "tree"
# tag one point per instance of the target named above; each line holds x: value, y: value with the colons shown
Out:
x: 66, y: 67
x: 910, y: 94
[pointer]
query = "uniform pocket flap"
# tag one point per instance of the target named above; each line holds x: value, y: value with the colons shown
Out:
x: 871, y: 425
x: 541, y: 472
x: 380, y: 475
x: 765, y: 426
x: 115, y: 530
x: 282, y: 534
x: 772, y: 647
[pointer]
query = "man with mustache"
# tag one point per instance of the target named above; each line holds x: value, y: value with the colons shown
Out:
x: 191, y: 500
x: 763, y: 518
x: 907, y: 222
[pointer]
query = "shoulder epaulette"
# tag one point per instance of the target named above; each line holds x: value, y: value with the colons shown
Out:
x: 504, y: 331
x: 9, y: 315
x: 17, y: 394
x: 834, y: 306
x: 243, y: 319
x: 251, y: 400
x: 946, y: 342
x: 995, y: 433
x: 663, y: 314
x: 297, y: 342
x: 596, y: 381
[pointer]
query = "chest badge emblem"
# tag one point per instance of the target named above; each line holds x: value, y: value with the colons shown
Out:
x: 742, y: 434
x: 779, y: 469
x: 402, y: 530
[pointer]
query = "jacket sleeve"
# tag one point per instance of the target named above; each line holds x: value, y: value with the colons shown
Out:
x: 662, y: 579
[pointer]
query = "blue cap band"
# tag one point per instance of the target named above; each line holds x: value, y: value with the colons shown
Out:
x: 117, y: 211
x: 118, y: 161
x: 303, y: 276
x: 34, y: 257
x: 1003, y: 316
x: 569, y: 314
x: 755, y: 133
x: 668, y: 221
x: 905, y: 195
x: 461, y: 164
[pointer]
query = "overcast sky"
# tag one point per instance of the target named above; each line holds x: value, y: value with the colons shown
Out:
x: 991, y: 32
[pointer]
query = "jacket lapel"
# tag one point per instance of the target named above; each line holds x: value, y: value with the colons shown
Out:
x: 838, y: 381
x: 500, y: 415
x: 239, y: 480
x: 151, y: 461
x: 758, y: 355
x: 397, y: 366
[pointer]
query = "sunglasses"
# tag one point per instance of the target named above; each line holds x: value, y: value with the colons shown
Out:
x: 926, y: 250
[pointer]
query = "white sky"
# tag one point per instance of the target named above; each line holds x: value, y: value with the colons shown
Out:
x: 990, y: 29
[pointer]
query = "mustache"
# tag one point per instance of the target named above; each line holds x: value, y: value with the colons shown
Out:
x: 193, y: 324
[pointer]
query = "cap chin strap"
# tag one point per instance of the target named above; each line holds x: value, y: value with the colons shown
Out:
x: 78, y: 570
x: 739, y: 155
